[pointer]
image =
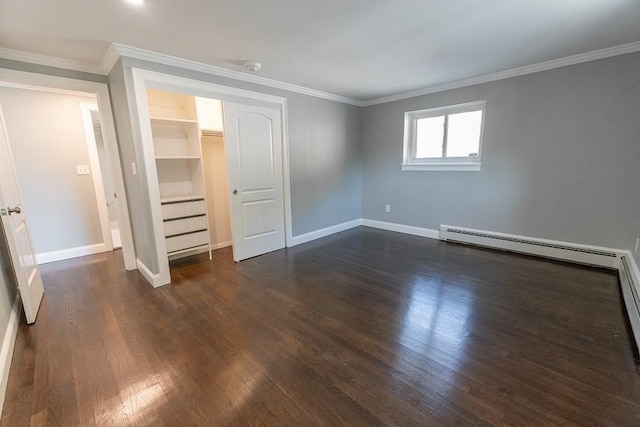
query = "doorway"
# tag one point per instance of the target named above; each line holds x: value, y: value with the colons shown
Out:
x: 92, y: 93
x: 58, y: 172
x: 103, y: 182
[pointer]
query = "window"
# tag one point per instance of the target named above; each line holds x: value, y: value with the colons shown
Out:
x: 444, y: 139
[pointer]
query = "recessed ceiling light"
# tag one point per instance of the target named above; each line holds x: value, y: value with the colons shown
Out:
x: 135, y: 2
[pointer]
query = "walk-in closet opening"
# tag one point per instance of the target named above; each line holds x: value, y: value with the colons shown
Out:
x: 185, y: 127
x: 188, y: 144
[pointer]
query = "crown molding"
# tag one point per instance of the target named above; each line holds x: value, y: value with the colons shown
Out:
x: 160, y: 58
x: 109, y: 60
x: 117, y: 50
x: 49, y: 61
x: 514, y: 72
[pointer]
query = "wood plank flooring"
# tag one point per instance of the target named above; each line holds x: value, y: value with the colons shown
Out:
x: 365, y: 327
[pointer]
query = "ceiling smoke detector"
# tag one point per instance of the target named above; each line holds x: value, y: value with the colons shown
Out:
x: 252, y: 66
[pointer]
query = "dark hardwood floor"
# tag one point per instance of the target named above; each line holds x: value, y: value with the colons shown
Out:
x: 364, y: 327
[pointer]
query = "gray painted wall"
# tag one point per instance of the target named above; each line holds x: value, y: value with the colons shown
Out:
x: 324, y: 150
x: 137, y: 194
x: 47, y: 140
x: 51, y: 71
x: 560, y: 158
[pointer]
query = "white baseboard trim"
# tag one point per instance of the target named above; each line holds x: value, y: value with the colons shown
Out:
x: 45, y: 257
x: 324, y: 232
x: 8, y: 343
x: 220, y: 245
x: 401, y: 228
x: 153, y: 279
x: 630, y: 282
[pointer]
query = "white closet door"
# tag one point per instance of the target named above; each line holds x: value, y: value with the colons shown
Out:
x: 253, y: 138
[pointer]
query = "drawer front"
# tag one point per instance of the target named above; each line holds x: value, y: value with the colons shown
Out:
x: 185, y: 225
x: 178, y: 210
x: 186, y: 241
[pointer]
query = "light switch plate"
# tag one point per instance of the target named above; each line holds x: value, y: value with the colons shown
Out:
x: 83, y: 169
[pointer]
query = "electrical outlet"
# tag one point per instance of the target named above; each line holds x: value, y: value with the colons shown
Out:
x: 83, y: 169
x: 637, y: 244
x: 387, y: 208
x: 134, y: 170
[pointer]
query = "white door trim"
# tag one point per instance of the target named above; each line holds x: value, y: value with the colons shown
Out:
x: 96, y: 173
x: 142, y: 79
x: 43, y: 82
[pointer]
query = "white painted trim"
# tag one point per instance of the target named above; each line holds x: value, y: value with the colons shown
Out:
x: 8, y: 344
x: 116, y: 50
x: 630, y: 283
x: 160, y: 58
x: 286, y: 176
x: 49, y: 61
x: 324, y: 232
x: 53, y: 256
x: 202, y: 88
x: 556, y: 249
x: 441, y: 167
x: 109, y: 60
x: 96, y: 172
x: 117, y: 176
x: 514, y: 72
x: 215, y: 246
x: 153, y: 279
x: 151, y: 175
x: 35, y: 81
x: 401, y: 228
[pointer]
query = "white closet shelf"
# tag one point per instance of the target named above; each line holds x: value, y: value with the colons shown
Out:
x: 177, y: 157
x: 166, y: 120
x: 183, y: 198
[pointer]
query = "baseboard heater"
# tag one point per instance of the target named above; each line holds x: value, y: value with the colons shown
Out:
x: 631, y: 298
x: 545, y: 248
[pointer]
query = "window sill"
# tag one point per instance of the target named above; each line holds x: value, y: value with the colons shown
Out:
x: 442, y: 167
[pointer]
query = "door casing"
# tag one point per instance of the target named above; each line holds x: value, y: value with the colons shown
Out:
x: 143, y: 79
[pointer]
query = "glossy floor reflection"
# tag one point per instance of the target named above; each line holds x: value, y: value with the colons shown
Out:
x: 364, y: 327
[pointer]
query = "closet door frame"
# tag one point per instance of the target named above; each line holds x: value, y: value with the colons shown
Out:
x: 143, y: 79
x: 49, y: 83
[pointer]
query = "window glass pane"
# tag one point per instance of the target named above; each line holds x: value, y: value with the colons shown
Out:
x: 463, y: 136
x: 429, y: 137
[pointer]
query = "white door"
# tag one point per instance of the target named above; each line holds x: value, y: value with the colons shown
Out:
x: 253, y: 142
x: 14, y: 224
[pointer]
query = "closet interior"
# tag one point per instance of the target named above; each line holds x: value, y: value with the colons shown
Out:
x: 188, y: 143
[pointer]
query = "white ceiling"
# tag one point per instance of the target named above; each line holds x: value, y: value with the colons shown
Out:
x: 361, y: 49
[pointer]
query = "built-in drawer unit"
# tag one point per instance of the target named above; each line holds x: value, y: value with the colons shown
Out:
x: 187, y: 241
x: 183, y: 209
x: 184, y: 225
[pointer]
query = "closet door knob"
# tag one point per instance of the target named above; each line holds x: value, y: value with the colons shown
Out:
x: 235, y: 192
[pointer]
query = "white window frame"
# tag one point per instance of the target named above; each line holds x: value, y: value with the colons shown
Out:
x: 409, y: 160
